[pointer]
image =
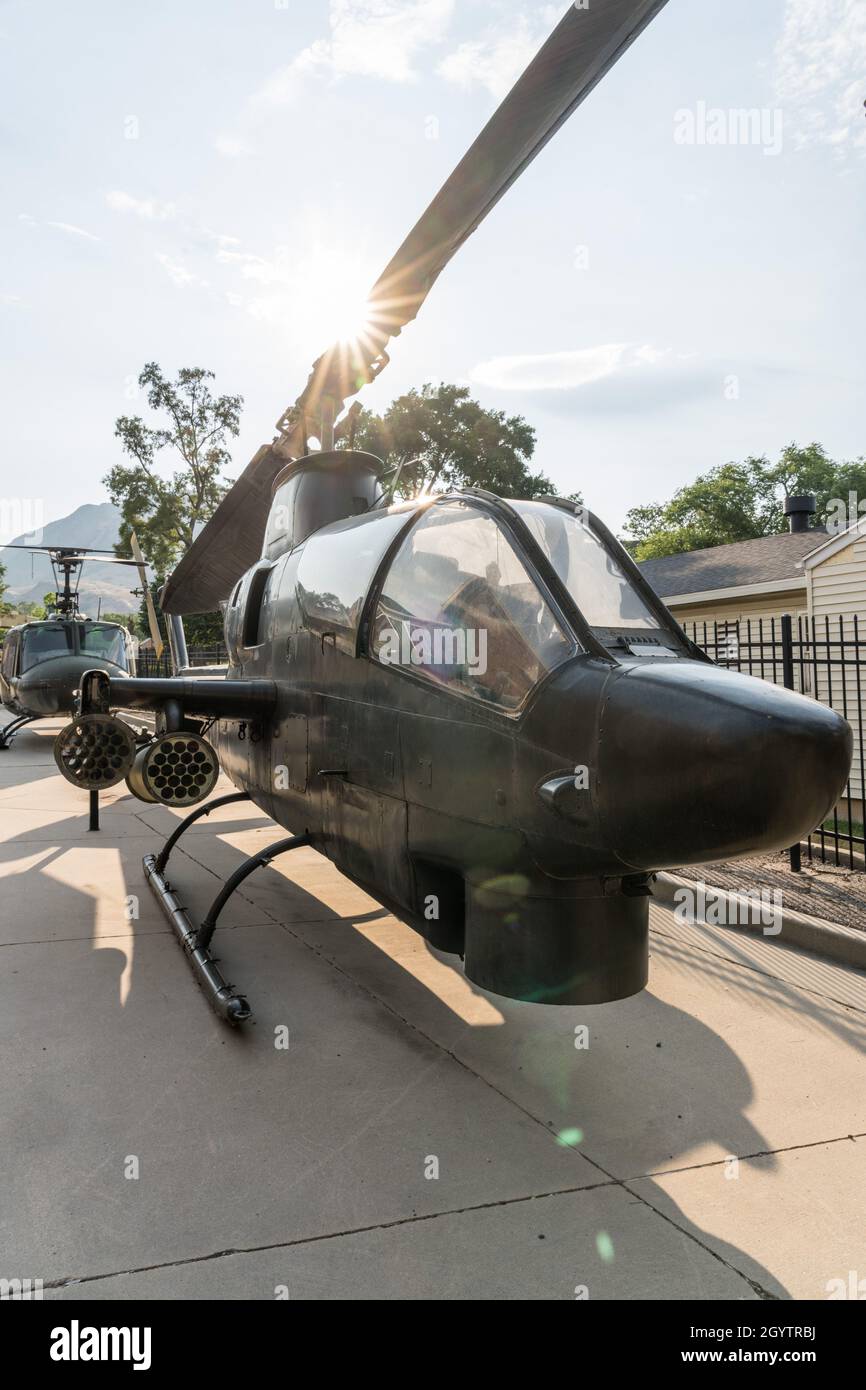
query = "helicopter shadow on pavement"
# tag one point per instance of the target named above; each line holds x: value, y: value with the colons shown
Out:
x: 523, y: 1053
x: 627, y: 1094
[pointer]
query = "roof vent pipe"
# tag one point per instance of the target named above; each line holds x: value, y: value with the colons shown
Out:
x: 798, y: 510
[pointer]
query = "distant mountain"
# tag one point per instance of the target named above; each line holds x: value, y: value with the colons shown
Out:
x: 95, y: 526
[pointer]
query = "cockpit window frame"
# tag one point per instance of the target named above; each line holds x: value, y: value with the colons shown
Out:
x: 348, y: 638
x: 10, y: 655
x: 520, y: 538
x: 88, y: 627
x: 24, y: 665
x: 666, y: 620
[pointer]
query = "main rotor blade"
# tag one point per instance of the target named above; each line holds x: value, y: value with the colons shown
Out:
x: 65, y: 554
x: 155, y: 634
x: 67, y: 551
x: 582, y: 48
x: 97, y: 556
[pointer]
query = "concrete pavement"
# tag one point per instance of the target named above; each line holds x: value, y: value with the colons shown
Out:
x: 417, y: 1138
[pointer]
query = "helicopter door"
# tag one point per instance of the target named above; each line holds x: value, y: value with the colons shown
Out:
x: 290, y: 646
x: 355, y: 759
x: 356, y: 781
x: 244, y: 749
x: 9, y: 665
x: 461, y: 636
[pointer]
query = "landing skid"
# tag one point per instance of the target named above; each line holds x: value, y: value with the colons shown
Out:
x: 195, y: 941
x: 8, y: 732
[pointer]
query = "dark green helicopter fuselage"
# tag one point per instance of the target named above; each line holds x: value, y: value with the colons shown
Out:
x: 521, y: 832
x: 43, y: 662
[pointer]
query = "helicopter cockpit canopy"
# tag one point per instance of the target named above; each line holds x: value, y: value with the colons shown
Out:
x: 337, y: 566
x: 44, y: 642
x: 609, y: 600
x: 47, y: 641
x: 459, y: 599
x: 105, y: 641
x: 592, y: 576
x: 459, y: 606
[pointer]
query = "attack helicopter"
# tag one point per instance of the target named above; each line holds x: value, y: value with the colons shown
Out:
x: 43, y: 661
x: 477, y: 708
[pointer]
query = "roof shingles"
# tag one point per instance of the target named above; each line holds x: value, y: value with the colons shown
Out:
x: 733, y: 566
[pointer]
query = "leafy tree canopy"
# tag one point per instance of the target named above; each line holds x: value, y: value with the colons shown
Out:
x: 195, y: 425
x: 446, y: 440
x: 165, y: 511
x: 743, y: 501
x: 127, y: 620
x: 441, y: 436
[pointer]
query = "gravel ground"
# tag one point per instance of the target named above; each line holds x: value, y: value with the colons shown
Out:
x: 821, y: 890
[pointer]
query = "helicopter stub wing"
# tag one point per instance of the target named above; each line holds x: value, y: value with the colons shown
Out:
x: 582, y: 48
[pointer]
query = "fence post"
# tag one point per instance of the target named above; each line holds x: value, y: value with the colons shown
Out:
x: 788, y: 681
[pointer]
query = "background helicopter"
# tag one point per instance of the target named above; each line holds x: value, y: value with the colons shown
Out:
x: 43, y: 661
x: 478, y: 709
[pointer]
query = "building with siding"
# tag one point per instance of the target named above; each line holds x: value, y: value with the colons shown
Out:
x: 836, y: 593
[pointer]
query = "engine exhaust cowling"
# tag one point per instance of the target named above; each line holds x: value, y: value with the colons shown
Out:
x: 95, y: 751
x: 176, y: 769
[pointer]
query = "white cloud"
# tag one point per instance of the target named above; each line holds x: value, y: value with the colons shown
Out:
x: 9, y: 299
x: 147, y: 208
x: 222, y: 239
x: 564, y: 371
x: 819, y: 73
x: 179, y: 275
x: 496, y: 60
x: 71, y: 230
x: 369, y: 38
x: 68, y: 227
x: 276, y: 271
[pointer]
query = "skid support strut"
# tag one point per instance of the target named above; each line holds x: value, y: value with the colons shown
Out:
x: 8, y: 731
x: 195, y: 942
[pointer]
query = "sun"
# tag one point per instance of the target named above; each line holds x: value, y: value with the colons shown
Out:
x: 330, y: 298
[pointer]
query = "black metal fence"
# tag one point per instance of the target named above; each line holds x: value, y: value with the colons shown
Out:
x: 826, y: 659
x: 148, y: 664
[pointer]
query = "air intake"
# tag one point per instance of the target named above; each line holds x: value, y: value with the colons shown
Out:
x: 314, y: 491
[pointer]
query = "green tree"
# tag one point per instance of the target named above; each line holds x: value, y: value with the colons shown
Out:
x: 165, y: 511
x: 742, y: 501
x: 204, y: 630
x: 4, y: 606
x: 127, y: 620
x: 201, y: 629
x: 446, y: 440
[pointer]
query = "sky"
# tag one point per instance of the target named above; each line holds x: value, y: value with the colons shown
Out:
x: 667, y: 287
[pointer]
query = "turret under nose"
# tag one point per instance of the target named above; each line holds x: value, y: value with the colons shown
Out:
x: 698, y: 764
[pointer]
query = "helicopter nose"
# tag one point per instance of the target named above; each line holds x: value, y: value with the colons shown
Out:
x: 698, y: 764
x: 49, y: 687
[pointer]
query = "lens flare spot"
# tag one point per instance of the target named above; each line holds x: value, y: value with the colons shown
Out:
x: 569, y: 1138
x: 604, y: 1246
